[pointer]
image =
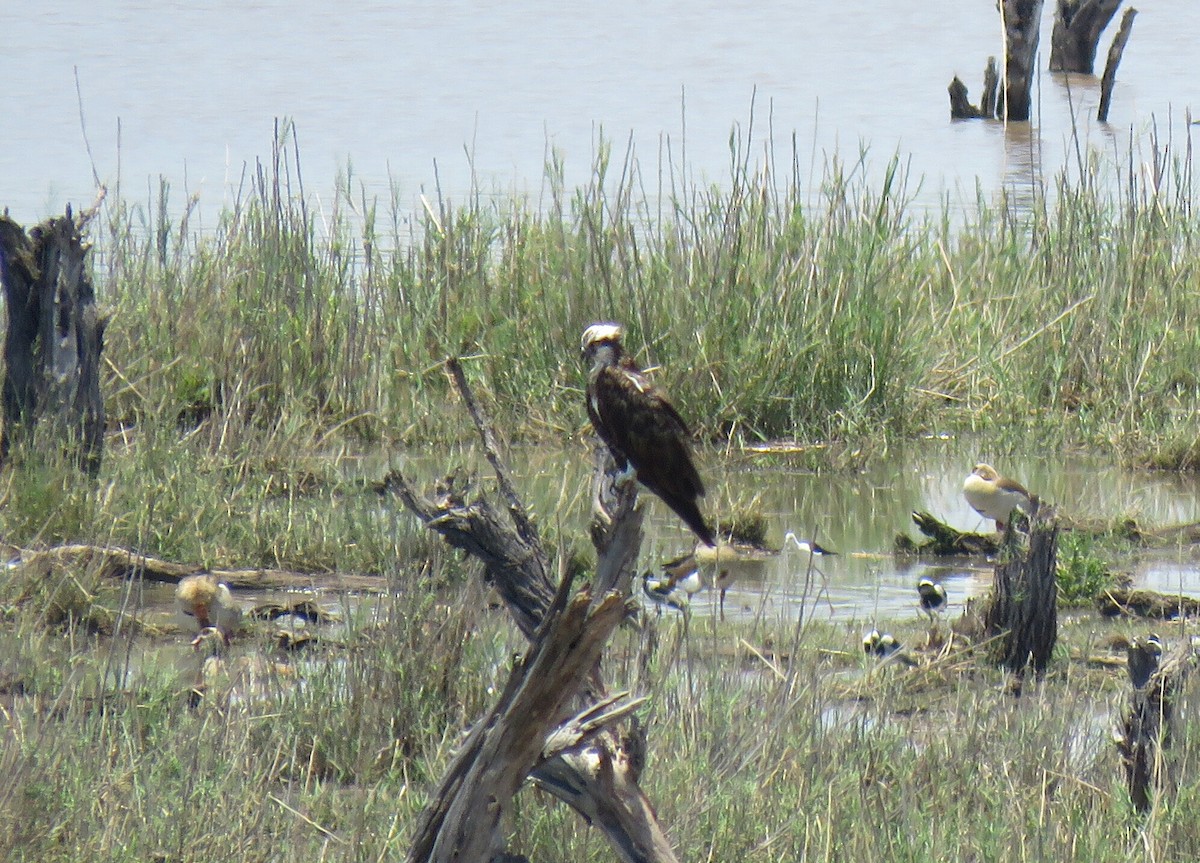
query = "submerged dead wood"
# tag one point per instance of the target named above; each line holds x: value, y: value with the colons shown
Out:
x: 1114, y: 59
x: 1147, y: 731
x: 55, y: 336
x: 1146, y: 603
x: 1023, y: 609
x: 1077, y: 28
x: 1020, y: 19
x: 944, y: 540
x: 554, y: 721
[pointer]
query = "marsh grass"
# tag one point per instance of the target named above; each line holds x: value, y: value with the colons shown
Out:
x: 330, y: 756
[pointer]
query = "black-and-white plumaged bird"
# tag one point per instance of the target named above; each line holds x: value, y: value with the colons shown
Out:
x: 933, y: 596
x: 807, y: 546
x: 882, y: 645
x: 641, y: 428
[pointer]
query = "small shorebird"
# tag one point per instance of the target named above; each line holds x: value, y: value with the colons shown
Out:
x: 807, y: 545
x: 994, y: 496
x: 933, y: 596
x: 206, y: 603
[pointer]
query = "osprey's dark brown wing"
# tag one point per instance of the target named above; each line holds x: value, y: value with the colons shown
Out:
x: 641, y: 427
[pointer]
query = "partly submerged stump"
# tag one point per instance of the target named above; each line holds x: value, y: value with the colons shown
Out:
x: 1023, y: 610
x: 1020, y: 19
x: 55, y: 336
x: 1077, y: 28
x: 1114, y: 59
x: 1147, y: 731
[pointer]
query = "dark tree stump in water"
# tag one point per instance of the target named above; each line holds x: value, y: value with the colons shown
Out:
x: 1077, y: 28
x: 1015, y: 100
x: 1114, y: 59
x: 1021, y: 30
x: 1024, y: 604
x: 1146, y: 733
x: 961, y: 107
x: 55, y: 336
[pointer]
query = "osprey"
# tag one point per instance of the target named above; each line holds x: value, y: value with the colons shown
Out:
x: 995, y: 496
x: 642, y: 429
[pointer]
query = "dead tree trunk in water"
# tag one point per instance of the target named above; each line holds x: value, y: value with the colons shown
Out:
x: 553, y: 723
x: 55, y: 336
x: 1114, y: 59
x: 1077, y: 28
x: 1024, y: 602
x: 1022, y: 19
x: 1147, y: 731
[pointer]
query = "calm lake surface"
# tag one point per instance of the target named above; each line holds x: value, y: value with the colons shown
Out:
x: 190, y: 92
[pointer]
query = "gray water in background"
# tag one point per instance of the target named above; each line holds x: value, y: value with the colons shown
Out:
x: 190, y: 92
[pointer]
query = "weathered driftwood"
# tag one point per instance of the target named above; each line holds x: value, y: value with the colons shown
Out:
x: 1023, y: 609
x: 1147, y: 731
x: 553, y: 723
x: 1146, y: 603
x: 55, y: 336
x: 1077, y: 28
x: 1114, y: 59
x: 944, y: 540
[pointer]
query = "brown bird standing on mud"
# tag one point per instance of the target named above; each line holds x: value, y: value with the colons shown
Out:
x: 995, y: 496
x: 642, y: 429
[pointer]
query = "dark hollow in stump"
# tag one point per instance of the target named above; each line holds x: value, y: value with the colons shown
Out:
x: 1114, y: 59
x: 1146, y: 733
x: 1077, y: 28
x: 1023, y: 611
x: 55, y: 336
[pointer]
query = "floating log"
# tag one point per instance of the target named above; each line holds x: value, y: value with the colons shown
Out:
x: 55, y: 336
x: 944, y: 540
x: 1022, y: 613
x: 1146, y: 603
x: 1114, y: 59
x: 1077, y: 28
x: 553, y: 722
x: 1147, y: 731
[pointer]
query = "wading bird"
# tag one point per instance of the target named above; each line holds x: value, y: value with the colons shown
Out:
x: 207, y: 604
x: 807, y: 545
x: 642, y: 430
x: 995, y: 496
x: 933, y: 596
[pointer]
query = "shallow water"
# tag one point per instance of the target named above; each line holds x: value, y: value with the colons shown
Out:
x: 417, y: 95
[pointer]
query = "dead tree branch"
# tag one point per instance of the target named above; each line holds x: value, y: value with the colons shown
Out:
x: 554, y: 721
x: 1115, y: 51
x: 1077, y: 28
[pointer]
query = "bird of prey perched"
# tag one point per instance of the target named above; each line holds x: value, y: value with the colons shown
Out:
x: 995, y: 496
x: 642, y: 429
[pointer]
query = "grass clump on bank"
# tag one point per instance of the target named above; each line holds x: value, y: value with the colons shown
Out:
x: 835, y: 313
